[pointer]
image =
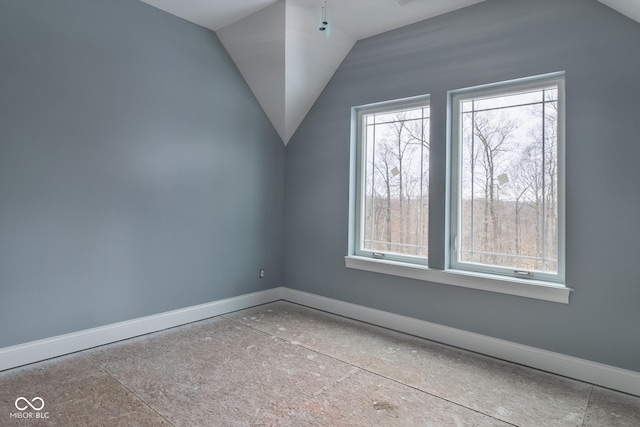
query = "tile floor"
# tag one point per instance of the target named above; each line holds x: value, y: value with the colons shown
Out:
x: 281, y: 364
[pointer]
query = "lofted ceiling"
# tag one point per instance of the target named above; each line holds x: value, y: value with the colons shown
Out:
x: 283, y: 56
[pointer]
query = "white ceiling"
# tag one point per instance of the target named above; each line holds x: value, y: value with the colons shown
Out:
x: 631, y: 8
x: 360, y: 18
x: 212, y: 14
x: 283, y: 57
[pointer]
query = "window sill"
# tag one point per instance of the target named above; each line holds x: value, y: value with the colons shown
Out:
x: 520, y: 287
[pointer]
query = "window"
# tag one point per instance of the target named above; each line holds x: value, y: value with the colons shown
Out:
x: 392, y: 204
x: 501, y: 228
x: 507, y: 179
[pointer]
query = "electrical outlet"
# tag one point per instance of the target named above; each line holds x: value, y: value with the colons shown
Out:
x: 262, y: 273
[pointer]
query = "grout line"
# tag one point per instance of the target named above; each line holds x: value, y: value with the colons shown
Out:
x: 126, y: 388
x: 333, y: 384
x: 435, y: 395
x: 586, y: 409
x: 360, y: 368
x: 451, y: 346
x: 345, y: 378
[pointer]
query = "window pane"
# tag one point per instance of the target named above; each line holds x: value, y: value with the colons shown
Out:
x: 509, y: 181
x: 395, y: 191
x: 514, y: 99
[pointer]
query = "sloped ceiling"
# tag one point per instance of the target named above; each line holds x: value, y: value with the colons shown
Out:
x: 283, y: 56
x: 631, y: 8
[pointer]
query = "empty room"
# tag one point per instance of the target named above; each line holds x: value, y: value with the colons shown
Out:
x: 320, y: 213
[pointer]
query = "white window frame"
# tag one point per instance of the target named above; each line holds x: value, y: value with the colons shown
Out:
x: 355, y: 259
x: 504, y: 88
x: 358, y: 133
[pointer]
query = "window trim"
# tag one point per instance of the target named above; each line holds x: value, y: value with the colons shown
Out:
x: 455, y: 98
x: 528, y: 288
x: 356, y: 222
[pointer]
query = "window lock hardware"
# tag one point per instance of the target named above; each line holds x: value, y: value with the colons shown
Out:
x: 522, y: 273
x: 378, y: 255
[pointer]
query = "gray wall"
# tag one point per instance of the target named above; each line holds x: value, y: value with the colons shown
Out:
x: 493, y: 41
x: 138, y: 174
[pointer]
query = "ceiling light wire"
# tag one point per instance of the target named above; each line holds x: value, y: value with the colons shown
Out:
x: 324, y: 21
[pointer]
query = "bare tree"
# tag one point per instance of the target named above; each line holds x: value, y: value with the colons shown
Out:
x: 399, y: 175
x: 492, y: 131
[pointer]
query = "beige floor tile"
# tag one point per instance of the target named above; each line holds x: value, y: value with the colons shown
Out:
x: 367, y: 399
x: 282, y: 364
x: 219, y: 373
x: 610, y: 408
x: 75, y: 393
x: 508, y: 392
x: 206, y: 341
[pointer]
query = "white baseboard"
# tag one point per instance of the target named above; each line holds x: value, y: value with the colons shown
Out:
x: 568, y: 366
x: 557, y: 363
x: 22, y: 354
